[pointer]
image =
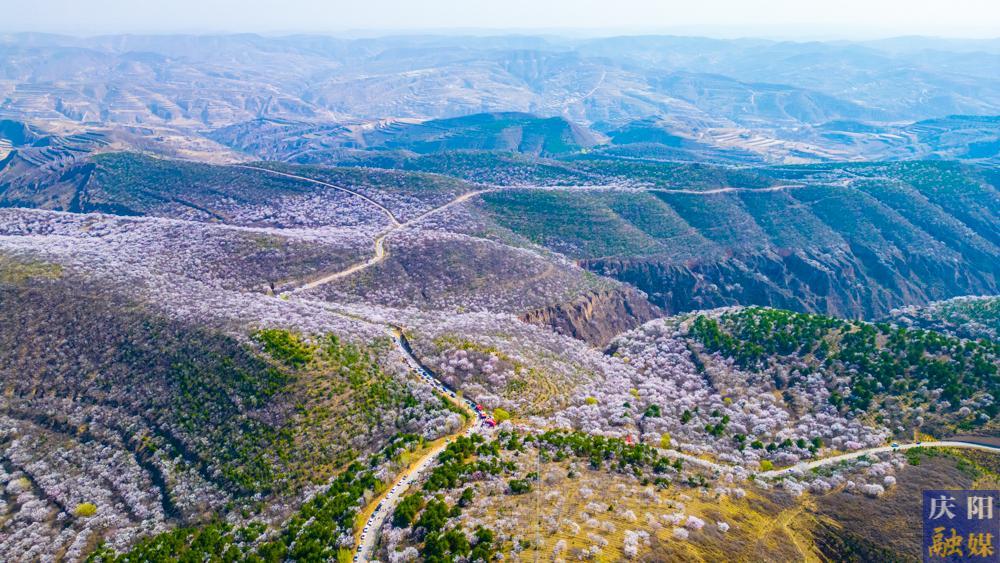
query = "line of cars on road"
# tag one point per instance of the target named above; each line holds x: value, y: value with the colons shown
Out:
x: 393, y: 492
x: 480, y: 411
x: 388, y: 501
x: 485, y: 420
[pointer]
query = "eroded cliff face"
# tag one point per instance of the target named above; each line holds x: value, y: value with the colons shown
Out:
x: 596, y: 317
x: 853, y: 284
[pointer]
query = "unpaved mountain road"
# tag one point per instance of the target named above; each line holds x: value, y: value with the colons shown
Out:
x: 380, y: 251
x: 716, y: 191
x: 395, y: 225
x: 379, y: 256
x: 854, y: 455
x: 806, y: 466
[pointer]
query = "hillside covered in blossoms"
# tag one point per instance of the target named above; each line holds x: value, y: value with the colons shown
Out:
x: 438, y: 305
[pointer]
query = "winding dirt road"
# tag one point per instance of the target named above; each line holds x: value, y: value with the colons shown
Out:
x: 728, y: 190
x: 806, y: 466
x: 386, y: 504
x: 380, y: 253
x: 395, y: 225
x: 854, y: 455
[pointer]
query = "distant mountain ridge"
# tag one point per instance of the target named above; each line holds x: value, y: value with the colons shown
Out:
x: 604, y: 83
x: 955, y: 137
x: 502, y: 131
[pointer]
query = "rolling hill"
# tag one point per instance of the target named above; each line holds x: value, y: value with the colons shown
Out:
x: 457, y: 298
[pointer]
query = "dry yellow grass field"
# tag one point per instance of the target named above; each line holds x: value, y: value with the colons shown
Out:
x: 563, y: 517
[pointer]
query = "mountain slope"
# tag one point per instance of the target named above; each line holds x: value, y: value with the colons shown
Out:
x: 889, y: 236
x: 157, y: 422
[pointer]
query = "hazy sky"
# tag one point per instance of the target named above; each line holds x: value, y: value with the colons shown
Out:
x: 790, y: 18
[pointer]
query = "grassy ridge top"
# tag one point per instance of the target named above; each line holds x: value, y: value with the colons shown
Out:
x: 923, y: 206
